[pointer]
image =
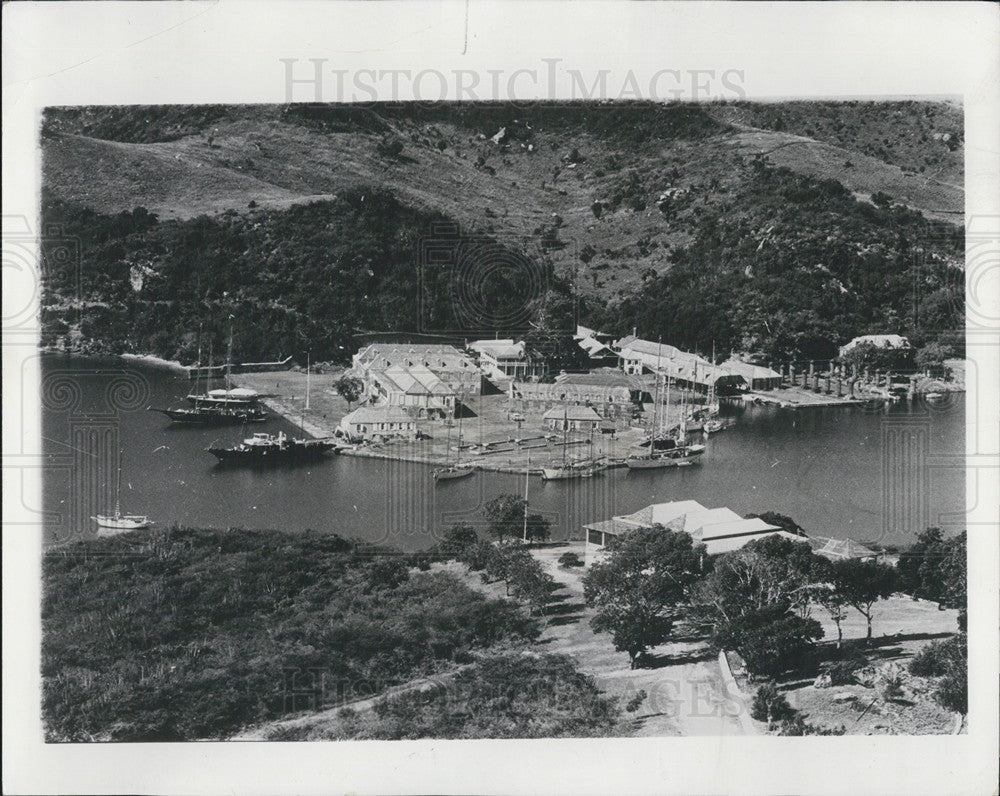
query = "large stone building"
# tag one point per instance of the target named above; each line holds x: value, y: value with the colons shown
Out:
x: 719, y: 529
x: 424, y: 380
x: 611, y: 393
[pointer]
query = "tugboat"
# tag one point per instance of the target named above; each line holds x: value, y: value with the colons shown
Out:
x: 119, y: 521
x: 264, y: 448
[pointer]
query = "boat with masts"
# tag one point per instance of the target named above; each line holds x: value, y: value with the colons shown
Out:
x: 456, y: 470
x: 119, y: 521
x: 231, y: 406
x: 585, y: 468
x: 665, y: 452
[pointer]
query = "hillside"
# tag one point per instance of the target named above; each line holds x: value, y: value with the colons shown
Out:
x: 602, y: 199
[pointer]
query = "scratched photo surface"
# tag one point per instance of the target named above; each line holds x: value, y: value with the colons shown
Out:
x: 492, y: 420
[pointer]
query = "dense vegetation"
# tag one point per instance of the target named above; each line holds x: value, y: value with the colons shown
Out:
x: 308, y: 278
x: 183, y: 634
x: 503, y: 696
x: 616, y: 215
x: 788, y: 268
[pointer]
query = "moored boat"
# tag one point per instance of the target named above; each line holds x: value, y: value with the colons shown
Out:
x: 119, y: 521
x: 264, y: 448
x: 214, y: 415
x: 584, y: 469
x: 455, y: 471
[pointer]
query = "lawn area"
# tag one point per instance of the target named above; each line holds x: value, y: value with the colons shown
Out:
x: 901, y: 627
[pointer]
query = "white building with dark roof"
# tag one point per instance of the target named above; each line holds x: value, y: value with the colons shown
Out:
x: 504, y: 358
x: 572, y: 418
x: 719, y: 529
x: 377, y: 423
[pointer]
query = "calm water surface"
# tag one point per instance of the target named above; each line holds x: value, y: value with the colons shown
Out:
x: 868, y: 473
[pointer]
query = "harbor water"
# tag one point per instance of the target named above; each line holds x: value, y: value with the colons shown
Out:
x: 870, y: 473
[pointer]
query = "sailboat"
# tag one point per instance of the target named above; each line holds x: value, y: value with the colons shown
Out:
x: 456, y: 470
x: 579, y: 469
x: 119, y: 521
x: 678, y: 454
x: 218, y: 407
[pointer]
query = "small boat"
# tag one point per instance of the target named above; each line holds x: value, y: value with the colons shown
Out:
x: 681, y: 456
x: 711, y: 426
x: 455, y: 471
x: 585, y: 469
x: 264, y: 448
x: 119, y: 521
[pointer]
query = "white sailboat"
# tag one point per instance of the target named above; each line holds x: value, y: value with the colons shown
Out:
x: 119, y: 521
x: 580, y: 469
x: 681, y: 455
x: 456, y: 470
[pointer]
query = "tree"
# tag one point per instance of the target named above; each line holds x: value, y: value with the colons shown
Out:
x: 505, y: 516
x: 538, y: 529
x: 646, y: 574
x: 835, y: 603
x: 768, y: 572
x: 863, y: 583
x: 770, y: 705
x: 529, y: 582
x: 932, y: 356
x: 458, y: 540
x: 782, y: 521
x: 770, y: 641
x: 349, y: 388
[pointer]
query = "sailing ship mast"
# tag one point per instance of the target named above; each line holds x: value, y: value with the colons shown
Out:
x: 118, y: 488
x: 229, y: 360
x: 527, y: 470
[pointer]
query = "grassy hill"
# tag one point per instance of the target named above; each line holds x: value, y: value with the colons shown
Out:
x: 604, y: 199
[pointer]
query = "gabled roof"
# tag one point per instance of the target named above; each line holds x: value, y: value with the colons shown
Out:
x: 662, y: 513
x: 508, y: 349
x: 749, y: 371
x: 844, y: 548
x: 377, y: 414
x: 735, y: 527
x: 694, y: 521
x: 571, y: 413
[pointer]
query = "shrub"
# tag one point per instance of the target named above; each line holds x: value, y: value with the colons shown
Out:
x: 770, y: 705
x: 799, y: 726
x: 567, y: 560
x: 842, y: 672
x: 935, y: 659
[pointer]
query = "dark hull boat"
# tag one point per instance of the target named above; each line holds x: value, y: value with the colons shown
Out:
x: 215, y: 415
x: 263, y: 449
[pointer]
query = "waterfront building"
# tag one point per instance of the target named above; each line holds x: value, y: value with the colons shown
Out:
x: 757, y: 377
x: 377, y: 423
x: 425, y: 380
x: 611, y: 393
x: 693, y: 371
x: 572, y: 418
x: 719, y: 529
